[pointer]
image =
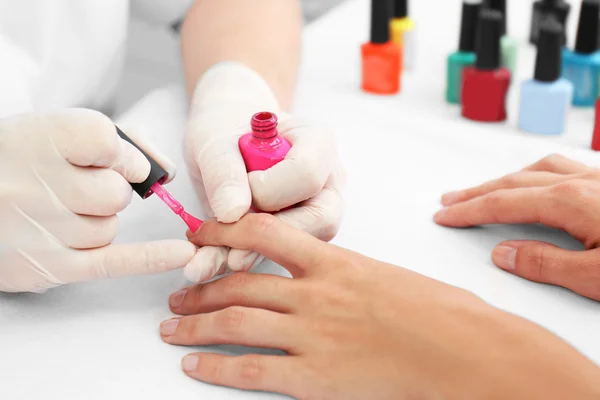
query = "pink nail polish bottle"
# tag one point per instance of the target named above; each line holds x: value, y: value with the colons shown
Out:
x: 264, y: 146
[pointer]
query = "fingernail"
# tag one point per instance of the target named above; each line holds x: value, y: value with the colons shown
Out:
x: 176, y: 299
x: 189, y: 363
x: 505, y: 257
x: 451, y: 198
x: 169, y: 327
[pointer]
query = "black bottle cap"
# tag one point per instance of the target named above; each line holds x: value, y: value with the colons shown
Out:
x: 487, y: 45
x: 400, y: 8
x: 588, y: 29
x: 468, y: 26
x: 558, y: 9
x: 380, y: 21
x: 548, y: 61
x: 498, y: 5
x: 157, y: 173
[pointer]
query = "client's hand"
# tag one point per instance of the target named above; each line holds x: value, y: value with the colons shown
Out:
x: 556, y: 192
x: 357, y: 328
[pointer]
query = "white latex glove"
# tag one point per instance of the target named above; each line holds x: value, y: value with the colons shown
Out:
x: 64, y: 178
x: 225, y: 99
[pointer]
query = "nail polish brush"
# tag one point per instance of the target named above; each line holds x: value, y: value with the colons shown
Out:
x: 153, y: 184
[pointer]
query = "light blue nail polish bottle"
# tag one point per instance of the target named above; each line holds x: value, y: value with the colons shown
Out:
x: 582, y: 66
x: 546, y: 98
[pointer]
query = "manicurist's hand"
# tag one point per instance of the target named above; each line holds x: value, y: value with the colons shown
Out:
x: 65, y: 176
x: 556, y: 192
x: 225, y: 99
x: 357, y: 328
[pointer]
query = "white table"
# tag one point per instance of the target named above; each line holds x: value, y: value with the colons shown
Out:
x: 100, y: 340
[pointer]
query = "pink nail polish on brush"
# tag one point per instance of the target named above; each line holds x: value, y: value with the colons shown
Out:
x: 153, y: 184
x: 263, y: 147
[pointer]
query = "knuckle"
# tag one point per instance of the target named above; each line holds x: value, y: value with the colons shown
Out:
x: 211, y: 371
x: 551, y: 160
x: 251, y: 369
x: 571, y: 189
x: 533, y: 263
x: 230, y: 320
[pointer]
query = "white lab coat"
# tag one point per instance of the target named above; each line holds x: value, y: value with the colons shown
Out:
x: 67, y: 53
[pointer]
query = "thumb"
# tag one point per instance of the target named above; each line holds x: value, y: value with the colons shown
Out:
x: 121, y: 260
x: 542, y: 262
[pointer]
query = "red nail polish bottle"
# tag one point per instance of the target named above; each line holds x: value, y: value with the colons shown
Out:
x: 381, y: 58
x: 486, y: 84
x: 596, y: 137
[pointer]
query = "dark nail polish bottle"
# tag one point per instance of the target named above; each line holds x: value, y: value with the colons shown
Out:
x: 465, y: 56
x: 486, y: 84
x: 542, y: 9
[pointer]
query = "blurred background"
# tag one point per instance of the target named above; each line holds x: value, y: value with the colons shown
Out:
x: 154, y: 59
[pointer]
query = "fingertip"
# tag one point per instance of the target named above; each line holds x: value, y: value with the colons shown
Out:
x: 207, y: 263
x: 230, y: 203
x: 451, y: 198
x: 505, y: 257
x: 440, y: 217
x: 242, y: 260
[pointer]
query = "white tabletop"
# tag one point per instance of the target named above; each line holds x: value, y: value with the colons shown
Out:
x: 100, y: 340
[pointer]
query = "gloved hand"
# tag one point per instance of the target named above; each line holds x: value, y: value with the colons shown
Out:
x: 225, y: 99
x: 64, y: 178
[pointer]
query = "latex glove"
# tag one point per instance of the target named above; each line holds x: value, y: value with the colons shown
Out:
x: 225, y: 99
x: 355, y: 328
x: 64, y: 178
x: 556, y: 192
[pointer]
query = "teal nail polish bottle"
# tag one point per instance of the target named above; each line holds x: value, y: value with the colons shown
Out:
x: 546, y: 98
x: 582, y: 65
x: 465, y: 56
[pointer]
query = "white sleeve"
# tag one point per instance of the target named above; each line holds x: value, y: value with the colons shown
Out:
x: 18, y: 72
x: 162, y: 12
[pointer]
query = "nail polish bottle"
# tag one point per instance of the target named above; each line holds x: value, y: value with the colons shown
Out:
x: 546, y: 98
x: 485, y: 84
x: 542, y: 9
x: 381, y: 58
x: 404, y: 33
x: 596, y: 136
x: 263, y: 147
x: 508, y: 44
x: 582, y: 65
x: 465, y: 56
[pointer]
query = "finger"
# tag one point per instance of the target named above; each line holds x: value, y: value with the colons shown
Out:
x: 558, y: 164
x: 235, y: 326
x: 518, y: 180
x: 268, y: 292
x: 279, y: 374
x: 120, y: 260
x: 295, y: 250
x: 301, y: 175
x: 208, y: 262
x: 546, y: 263
x: 88, y: 191
x: 87, y: 138
x: 506, y: 206
x: 320, y: 216
x: 243, y: 260
x: 151, y: 150
x: 224, y: 175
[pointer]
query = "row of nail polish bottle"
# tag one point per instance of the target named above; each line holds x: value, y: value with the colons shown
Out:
x: 391, y: 48
x: 469, y: 36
